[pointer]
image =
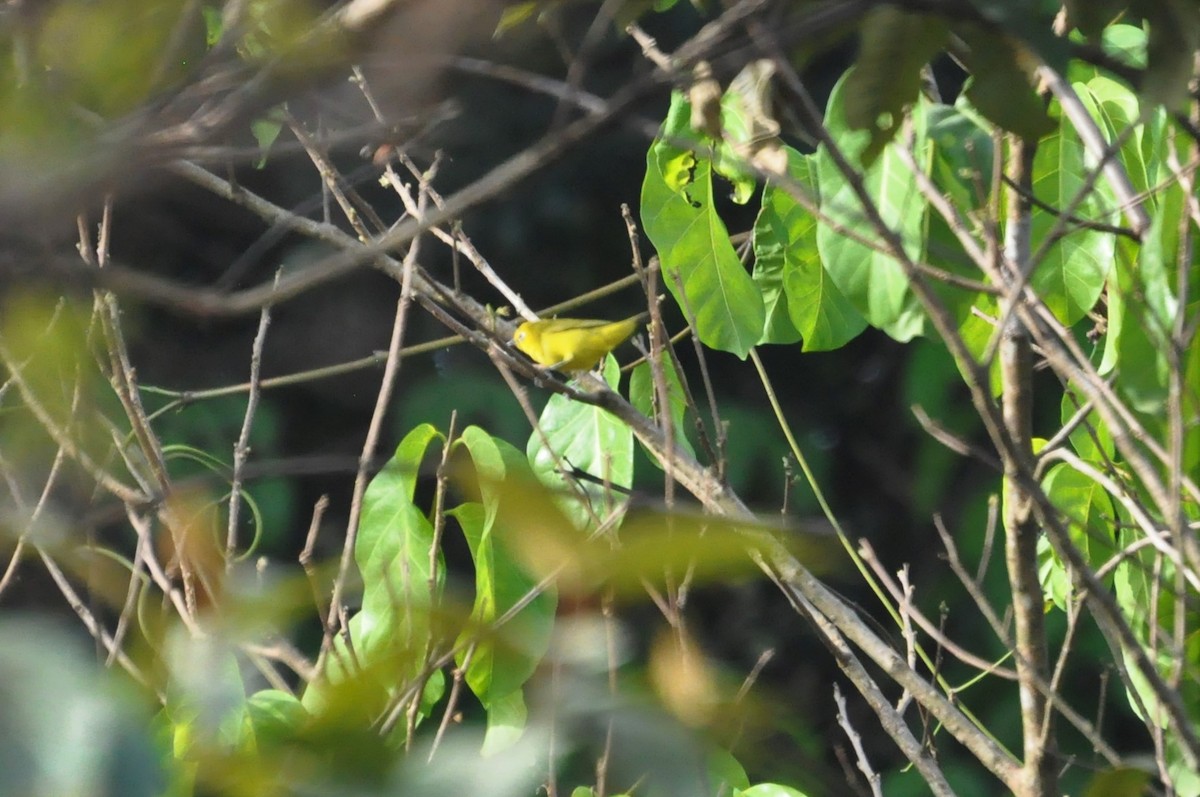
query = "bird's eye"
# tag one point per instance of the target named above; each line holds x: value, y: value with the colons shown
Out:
x: 519, y: 337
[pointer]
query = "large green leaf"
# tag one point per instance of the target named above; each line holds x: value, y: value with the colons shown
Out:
x: 893, y: 49
x: 505, y: 723
x: 275, y: 716
x: 1071, y: 274
x: 1118, y: 109
x: 642, y: 397
x: 1001, y: 86
x: 402, y: 578
x: 873, y: 281
x: 1190, y: 407
x: 1142, y: 301
x: 502, y: 660
x: 768, y: 275
x: 1089, y: 512
x: 584, y: 438
x: 700, y: 266
x: 785, y: 250
x: 393, y: 550
x: 746, y: 127
x: 961, y: 168
x: 1133, y: 576
x: 962, y: 143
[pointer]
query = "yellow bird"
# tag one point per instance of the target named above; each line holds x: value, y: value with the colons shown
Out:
x: 572, y: 345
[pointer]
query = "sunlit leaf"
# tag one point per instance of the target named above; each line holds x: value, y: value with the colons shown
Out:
x: 275, y: 715
x: 872, y: 280
x: 770, y: 790
x: 747, y: 126
x: 1090, y: 518
x: 1071, y: 275
x: 501, y: 660
x: 506, y: 722
x: 580, y: 449
x: 402, y: 576
x: 785, y: 244
x: 700, y: 267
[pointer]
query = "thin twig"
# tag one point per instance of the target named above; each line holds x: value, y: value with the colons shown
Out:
x: 370, y: 443
x: 241, y: 449
x: 860, y: 754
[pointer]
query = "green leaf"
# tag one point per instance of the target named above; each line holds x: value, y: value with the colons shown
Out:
x: 1090, y: 515
x: 488, y: 455
x: 1118, y: 285
x: 1001, y: 86
x: 642, y: 397
x: 394, y: 553
x: 1143, y: 304
x: 275, y: 716
x: 771, y: 790
x: 214, y: 24
x: 785, y: 250
x: 747, y: 126
x: 515, y: 15
x: 1091, y: 16
x: 1132, y: 577
x: 961, y: 168
x: 1072, y: 272
x: 1053, y: 576
x: 872, y: 281
x: 1174, y: 27
x: 768, y: 276
x: 583, y: 438
x: 505, y: 723
x: 1118, y: 782
x: 502, y: 660
x: 725, y: 772
x: 1118, y: 108
x: 1190, y: 408
x: 977, y: 333
x: 1126, y: 43
x: 700, y: 266
x: 266, y: 130
x: 893, y: 49
x: 1090, y: 439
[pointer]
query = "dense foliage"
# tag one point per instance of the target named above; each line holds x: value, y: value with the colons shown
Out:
x: 464, y: 624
